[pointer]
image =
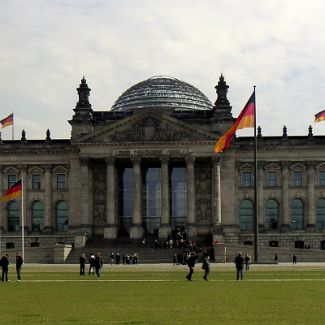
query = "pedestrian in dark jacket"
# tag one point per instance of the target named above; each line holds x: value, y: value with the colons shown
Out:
x: 206, y: 267
x: 98, y: 264
x: 239, y: 261
x: 191, y: 263
x: 19, y: 263
x: 4, y: 265
x: 82, y: 262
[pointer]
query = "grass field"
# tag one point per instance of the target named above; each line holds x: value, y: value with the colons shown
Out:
x: 160, y: 294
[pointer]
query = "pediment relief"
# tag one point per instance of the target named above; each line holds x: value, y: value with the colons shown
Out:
x: 272, y: 166
x: 60, y: 170
x: 149, y: 128
x: 10, y: 170
x: 298, y: 166
x: 35, y: 169
x: 321, y: 166
x: 245, y: 166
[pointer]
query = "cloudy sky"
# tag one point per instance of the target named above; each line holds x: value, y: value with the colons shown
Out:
x: 48, y: 45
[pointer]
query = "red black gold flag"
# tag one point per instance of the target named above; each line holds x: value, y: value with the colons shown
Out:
x: 244, y: 120
x: 12, y: 192
x: 7, y: 121
x: 320, y: 116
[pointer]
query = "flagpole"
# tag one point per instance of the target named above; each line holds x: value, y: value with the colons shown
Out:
x: 256, y: 252
x: 12, y: 126
x: 22, y: 220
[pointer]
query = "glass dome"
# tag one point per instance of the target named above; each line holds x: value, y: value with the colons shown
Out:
x: 162, y: 92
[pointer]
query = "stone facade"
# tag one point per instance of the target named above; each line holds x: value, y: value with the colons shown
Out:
x: 83, y: 173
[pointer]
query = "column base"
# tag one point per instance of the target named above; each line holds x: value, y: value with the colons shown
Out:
x: 80, y: 241
x: 285, y: 228
x: 164, y: 231
x: 191, y: 231
x: 110, y: 232
x: 310, y: 228
x: 136, y: 232
x: 48, y: 230
x: 216, y: 229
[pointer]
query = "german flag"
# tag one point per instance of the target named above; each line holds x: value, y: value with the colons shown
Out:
x: 320, y: 116
x: 244, y: 120
x: 12, y: 192
x: 7, y: 121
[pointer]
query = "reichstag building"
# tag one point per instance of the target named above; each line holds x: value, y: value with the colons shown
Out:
x: 147, y: 165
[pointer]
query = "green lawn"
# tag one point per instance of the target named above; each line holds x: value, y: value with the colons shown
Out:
x: 162, y: 295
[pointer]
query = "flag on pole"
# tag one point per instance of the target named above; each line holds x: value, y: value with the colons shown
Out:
x: 244, y: 120
x: 12, y: 192
x: 320, y: 116
x: 7, y: 121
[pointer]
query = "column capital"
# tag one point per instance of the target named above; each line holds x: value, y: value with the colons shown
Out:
x: 190, y: 160
x: 164, y: 159
x: 216, y: 160
x: 135, y: 159
x: 84, y: 161
x: 47, y: 167
x: 110, y: 160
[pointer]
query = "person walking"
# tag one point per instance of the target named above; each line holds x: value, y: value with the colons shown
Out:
x: 82, y: 262
x: 206, y: 266
x: 19, y: 263
x: 98, y: 264
x: 191, y: 264
x: 294, y: 259
x: 239, y: 261
x: 247, y: 260
x: 276, y: 259
x: 4, y: 265
x: 91, y: 264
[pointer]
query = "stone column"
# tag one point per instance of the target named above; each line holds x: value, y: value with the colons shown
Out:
x: 23, y: 175
x: 164, y: 228
x: 85, y: 195
x: 191, y: 209
x: 48, y: 221
x: 260, y: 186
x: 311, y: 217
x: 136, y: 228
x: 110, y: 230
x: 285, y: 196
x: 75, y: 191
x: 216, y: 195
x: 2, y: 207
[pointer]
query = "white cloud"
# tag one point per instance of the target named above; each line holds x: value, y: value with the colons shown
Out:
x: 47, y: 46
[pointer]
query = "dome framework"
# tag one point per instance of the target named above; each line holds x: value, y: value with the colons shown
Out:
x: 162, y: 92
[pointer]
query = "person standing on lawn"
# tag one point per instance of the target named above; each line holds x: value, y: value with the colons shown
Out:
x: 191, y: 264
x: 239, y: 261
x: 4, y: 262
x: 98, y: 264
x: 19, y: 263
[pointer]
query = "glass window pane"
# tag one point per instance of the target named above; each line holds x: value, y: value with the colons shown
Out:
x: 271, y: 214
x: 297, y: 214
x: 320, y: 214
x: 246, y: 215
x: 297, y: 178
x: 13, y: 219
x: 11, y: 180
x: 62, y: 213
x: 37, y: 212
x: 271, y: 179
x: 322, y: 178
x: 246, y: 179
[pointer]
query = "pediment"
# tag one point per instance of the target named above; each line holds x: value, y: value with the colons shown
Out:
x: 272, y: 166
x: 149, y: 127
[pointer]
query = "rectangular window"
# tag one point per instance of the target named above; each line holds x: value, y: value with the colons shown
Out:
x: 61, y: 183
x: 36, y: 182
x: 11, y: 180
x: 246, y: 179
x: 321, y: 178
x: 271, y: 179
x: 297, y: 179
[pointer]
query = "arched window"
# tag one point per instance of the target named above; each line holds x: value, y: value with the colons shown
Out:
x: 297, y: 214
x: 246, y: 215
x: 271, y: 214
x: 320, y: 214
x: 61, y: 216
x: 37, y: 214
x: 13, y: 213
